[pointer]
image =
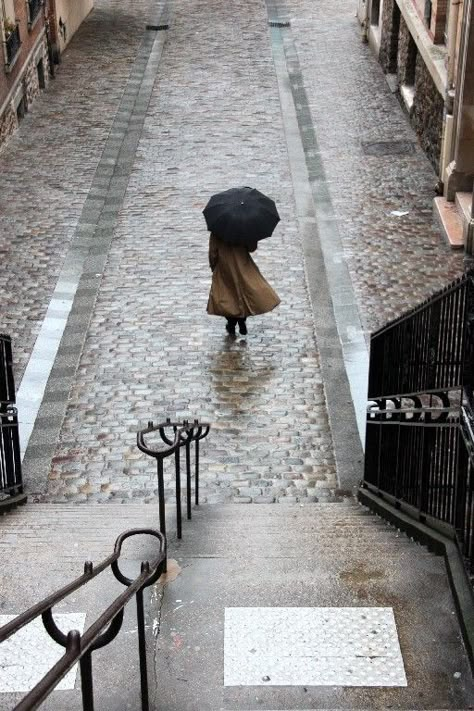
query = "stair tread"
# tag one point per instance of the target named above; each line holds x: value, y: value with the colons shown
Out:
x: 464, y: 204
x: 450, y: 222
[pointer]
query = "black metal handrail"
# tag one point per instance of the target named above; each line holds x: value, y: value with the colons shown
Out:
x: 419, y: 436
x: 11, y: 479
x: 12, y: 44
x: 79, y: 648
x: 182, y: 434
x: 7, y: 383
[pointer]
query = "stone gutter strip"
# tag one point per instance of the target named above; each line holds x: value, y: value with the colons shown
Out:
x: 339, y: 335
x: 434, y: 55
x: 43, y: 395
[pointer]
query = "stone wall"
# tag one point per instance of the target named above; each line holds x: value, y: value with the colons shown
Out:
x: 8, y: 124
x: 406, y: 55
x: 427, y: 114
x: 29, y: 81
x: 389, y: 36
x: 399, y: 55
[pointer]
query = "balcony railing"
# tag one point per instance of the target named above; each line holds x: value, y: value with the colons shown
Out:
x: 34, y: 7
x: 12, y: 45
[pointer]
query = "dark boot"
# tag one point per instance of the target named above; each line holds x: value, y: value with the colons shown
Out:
x: 243, y: 326
x: 230, y: 326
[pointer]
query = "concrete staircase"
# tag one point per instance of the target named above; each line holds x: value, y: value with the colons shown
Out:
x: 289, y: 556
x: 453, y: 218
x: 320, y: 555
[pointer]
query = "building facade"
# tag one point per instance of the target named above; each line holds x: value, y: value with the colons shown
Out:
x: 33, y: 33
x: 426, y: 49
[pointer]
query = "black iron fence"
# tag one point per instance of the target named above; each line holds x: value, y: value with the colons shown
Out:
x: 419, y: 437
x: 79, y: 648
x: 11, y: 481
x: 12, y: 44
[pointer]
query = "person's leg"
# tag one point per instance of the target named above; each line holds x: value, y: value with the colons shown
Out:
x: 230, y: 326
x: 243, y: 326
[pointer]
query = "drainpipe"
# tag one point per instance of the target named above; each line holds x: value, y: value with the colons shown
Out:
x: 453, y: 21
x: 449, y: 133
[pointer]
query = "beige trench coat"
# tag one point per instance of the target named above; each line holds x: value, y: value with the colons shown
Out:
x: 238, y: 289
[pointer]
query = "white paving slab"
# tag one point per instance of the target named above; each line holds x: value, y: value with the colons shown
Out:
x: 30, y: 653
x: 312, y: 646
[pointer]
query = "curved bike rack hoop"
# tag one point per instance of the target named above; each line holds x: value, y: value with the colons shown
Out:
x: 175, y: 436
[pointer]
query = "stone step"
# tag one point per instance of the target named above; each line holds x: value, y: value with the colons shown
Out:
x: 464, y: 203
x: 450, y: 222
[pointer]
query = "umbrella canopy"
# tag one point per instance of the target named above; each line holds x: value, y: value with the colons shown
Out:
x: 241, y: 216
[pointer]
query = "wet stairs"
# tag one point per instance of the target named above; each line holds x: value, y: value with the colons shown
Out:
x: 242, y: 556
x: 335, y: 555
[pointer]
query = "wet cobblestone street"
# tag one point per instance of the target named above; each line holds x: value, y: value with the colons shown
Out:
x: 214, y: 120
x: 394, y: 261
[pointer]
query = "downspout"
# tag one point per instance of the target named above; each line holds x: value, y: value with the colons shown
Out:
x: 450, y: 126
x: 453, y: 21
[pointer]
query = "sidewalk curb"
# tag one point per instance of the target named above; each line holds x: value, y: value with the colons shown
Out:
x: 439, y: 544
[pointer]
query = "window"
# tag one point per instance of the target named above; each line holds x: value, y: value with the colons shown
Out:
x: 427, y: 12
x: 375, y: 12
x: 40, y: 70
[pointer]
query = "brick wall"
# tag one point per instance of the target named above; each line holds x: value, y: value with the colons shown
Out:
x: 438, y: 20
x: 439, y: 10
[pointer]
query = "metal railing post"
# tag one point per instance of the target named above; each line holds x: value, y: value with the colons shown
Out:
x: 188, y: 477
x: 196, y: 474
x: 177, y: 463
x: 87, y: 686
x: 161, y: 499
x: 142, y: 649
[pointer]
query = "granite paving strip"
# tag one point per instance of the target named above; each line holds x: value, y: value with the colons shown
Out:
x: 320, y: 246
x: 52, y: 366
x: 47, y: 167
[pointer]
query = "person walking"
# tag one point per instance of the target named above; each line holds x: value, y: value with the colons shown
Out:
x: 237, y: 219
x: 238, y: 289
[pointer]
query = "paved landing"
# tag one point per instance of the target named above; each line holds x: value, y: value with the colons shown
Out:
x: 321, y: 607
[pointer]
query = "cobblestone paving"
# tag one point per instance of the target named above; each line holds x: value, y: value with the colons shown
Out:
x: 47, y: 167
x: 394, y: 262
x: 214, y: 121
x: 151, y: 349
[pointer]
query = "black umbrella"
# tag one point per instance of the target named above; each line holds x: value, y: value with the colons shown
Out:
x: 241, y: 216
